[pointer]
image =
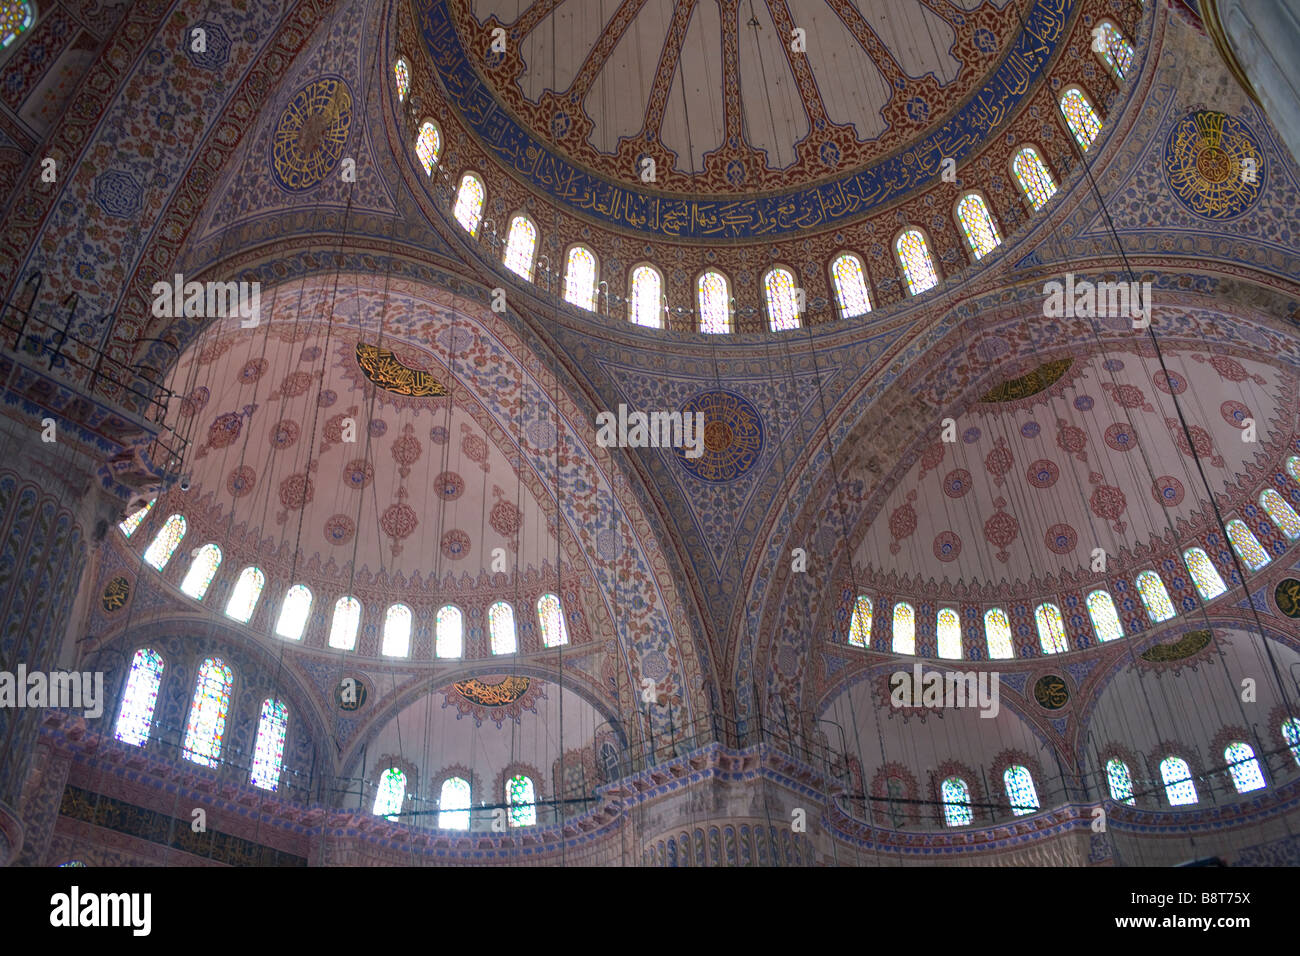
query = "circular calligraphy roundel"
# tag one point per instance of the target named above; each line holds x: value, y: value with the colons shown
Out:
x: 1051, y: 692
x: 1287, y: 597
x: 1214, y: 165
x: 313, y: 129
x: 733, y: 436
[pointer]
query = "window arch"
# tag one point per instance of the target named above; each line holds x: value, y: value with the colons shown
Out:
x: 1292, y: 467
x: 428, y: 144
x: 956, y: 802
x: 454, y: 804
x: 914, y: 258
x: 580, y: 278
x: 1246, y: 545
x: 391, y: 795
x: 202, y: 570
x: 1246, y: 775
x: 551, y: 616
x: 207, y: 724
x: 1034, y: 177
x: 645, y: 303
x: 850, y: 281
x: 1203, y: 572
x: 1177, y: 776
x: 1104, y: 619
x: 268, y: 751
x: 904, y: 629
x: 397, y: 631
x: 1291, y: 734
x: 1079, y: 115
x: 501, y: 624
x: 1155, y: 596
x: 135, y: 719
x: 977, y: 224
x: 469, y: 203
x: 165, y: 542
x: 860, y: 623
x: 948, y: 630
x: 347, y: 619
x: 14, y: 19
x: 522, y: 797
x: 294, y: 612
x: 997, y: 633
x: 1115, y: 51
x: 782, y: 294
x: 521, y: 243
x: 1051, y: 629
x: 1021, y: 792
x: 243, y: 599
x: 1119, y: 781
x: 1283, y: 514
x: 402, y: 76
x: 450, y: 627
x: 714, y: 300
x: 132, y: 521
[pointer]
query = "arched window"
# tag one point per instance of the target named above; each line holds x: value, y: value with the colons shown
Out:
x: 580, y: 278
x: 428, y: 144
x: 450, y: 631
x: 904, y: 629
x: 850, y: 281
x: 164, y: 543
x: 782, y: 299
x: 294, y: 612
x: 391, y: 795
x: 1203, y: 572
x: 1080, y: 117
x: 956, y: 802
x: 135, y: 719
x: 207, y: 725
x: 914, y: 257
x: 1034, y: 177
x: 1292, y: 467
x: 347, y: 618
x: 715, y: 304
x: 501, y: 625
x: 1051, y: 629
x: 976, y: 222
x: 202, y: 570
x: 860, y: 623
x: 522, y: 798
x: 948, y: 629
x: 1020, y: 790
x: 997, y: 633
x: 551, y: 616
x: 397, y: 631
x: 1154, y: 596
x: 1109, y: 43
x: 402, y: 74
x: 1246, y: 545
x: 454, y: 804
x: 245, y: 594
x: 521, y: 243
x: 268, y: 751
x: 469, y: 203
x: 1104, y: 619
x: 73, y: 863
x: 1291, y: 734
x: 1121, y: 784
x: 644, y: 303
x: 14, y: 19
x: 1283, y: 514
x: 1246, y: 775
x: 132, y: 521
x: 1177, y: 777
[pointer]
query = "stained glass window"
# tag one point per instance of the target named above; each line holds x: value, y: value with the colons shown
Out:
x: 347, y: 618
x: 1034, y: 177
x: 1177, y: 777
x: 551, y: 616
x: 904, y: 629
x: 715, y: 312
x: 403, y: 74
x: 860, y: 624
x: 73, y: 863
x: 207, y: 725
x: 1154, y: 596
x: 948, y: 628
x: 165, y: 542
x: 1203, y: 572
x: 453, y: 804
x: 1051, y: 629
x: 1246, y: 775
x: 643, y: 305
x: 294, y: 612
x: 956, y: 802
x: 202, y: 570
x: 782, y: 300
x: 1121, y: 784
x: 850, y: 285
x: 580, y: 278
x: 1292, y: 467
x: 997, y: 633
x: 14, y: 19
x: 501, y: 625
x: 521, y: 797
x: 397, y: 631
x: 918, y: 267
x: 1114, y: 49
x: 520, y: 245
x: 136, y: 716
x: 451, y: 630
x: 391, y: 795
x: 244, y: 597
x: 1020, y: 790
x: 1104, y: 619
x: 128, y: 526
x: 427, y: 146
x: 978, y: 225
x: 1283, y: 514
x: 268, y: 751
x: 1246, y: 545
x: 1291, y: 734
x: 1080, y: 116
x: 469, y: 203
